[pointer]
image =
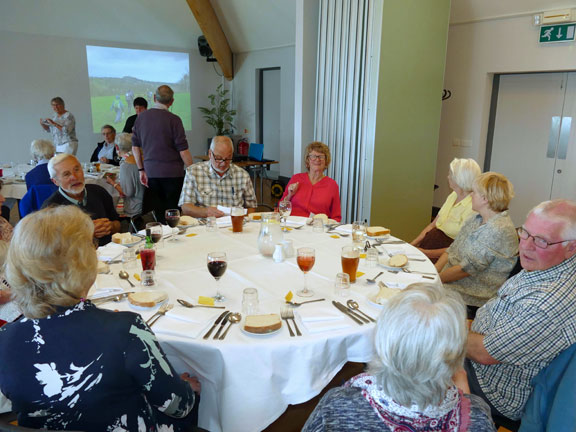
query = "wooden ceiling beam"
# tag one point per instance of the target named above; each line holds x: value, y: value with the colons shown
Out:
x: 210, y: 26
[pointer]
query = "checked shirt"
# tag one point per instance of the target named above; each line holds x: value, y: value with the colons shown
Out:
x: 525, y: 327
x: 203, y: 187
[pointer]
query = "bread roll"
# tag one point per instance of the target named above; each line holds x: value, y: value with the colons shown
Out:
x: 262, y: 323
x: 147, y: 298
x: 123, y: 238
x: 376, y: 231
x: 399, y: 260
x: 188, y: 221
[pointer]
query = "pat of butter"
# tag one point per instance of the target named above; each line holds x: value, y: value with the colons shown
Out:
x: 191, y: 235
x: 206, y: 301
x: 335, y: 236
x: 289, y: 296
x: 137, y: 277
x: 363, y: 255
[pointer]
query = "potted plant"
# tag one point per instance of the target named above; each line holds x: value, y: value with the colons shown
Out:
x: 219, y: 116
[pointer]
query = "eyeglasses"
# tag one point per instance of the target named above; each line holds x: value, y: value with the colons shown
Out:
x: 219, y: 159
x: 539, y: 242
x: 316, y: 157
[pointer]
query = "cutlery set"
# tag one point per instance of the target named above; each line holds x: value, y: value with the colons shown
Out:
x: 160, y: 313
x: 287, y: 313
x: 225, y: 317
x: 354, y: 313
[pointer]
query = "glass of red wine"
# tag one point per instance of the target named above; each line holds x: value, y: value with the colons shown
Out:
x: 217, y: 263
x: 306, y: 259
x: 155, y: 231
x: 172, y: 217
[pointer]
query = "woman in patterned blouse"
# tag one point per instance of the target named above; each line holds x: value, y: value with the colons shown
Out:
x: 69, y: 364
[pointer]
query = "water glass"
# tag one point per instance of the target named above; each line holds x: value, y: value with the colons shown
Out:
x: 211, y: 225
x: 250, y: 301
x: 129, y: 259
x: 288, y: 248
x: 342, y: 285
x: 317, y: 225
x: 371, y: 257
x: 359, y: 232
x: 148, y: 278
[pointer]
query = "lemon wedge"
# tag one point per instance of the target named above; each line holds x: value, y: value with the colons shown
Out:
x: 137, y: 277
x: 206, y: 301
x: 289, y: 296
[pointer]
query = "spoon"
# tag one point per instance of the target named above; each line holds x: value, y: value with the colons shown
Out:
x: 233, y: 318
x: 301, y: 303
x: 190, y: 305
x: 376, y: 277
x: 354, y: 305
x: 124, y: 275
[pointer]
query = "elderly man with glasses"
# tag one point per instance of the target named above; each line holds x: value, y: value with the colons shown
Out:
x: 216, y: 182
x: 519, y: 332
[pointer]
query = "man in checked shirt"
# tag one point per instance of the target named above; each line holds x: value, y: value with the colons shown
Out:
x: 216, y: 182
x: 530, y: 321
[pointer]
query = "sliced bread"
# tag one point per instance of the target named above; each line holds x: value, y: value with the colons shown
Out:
x: 147, y: 298
x: 262, y: 323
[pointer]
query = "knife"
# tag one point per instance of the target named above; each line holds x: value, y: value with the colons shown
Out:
x: 115, y: 297
x: 220, y: 317
x: 222, y: 324
x: 355, y: 313
x: 343, y: 309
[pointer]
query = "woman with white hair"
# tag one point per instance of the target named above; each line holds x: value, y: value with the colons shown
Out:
x: 420, y: 343
x: 41, y: 151
x: 69, y: 364
x: 438, y: 235
x: 128, y: 184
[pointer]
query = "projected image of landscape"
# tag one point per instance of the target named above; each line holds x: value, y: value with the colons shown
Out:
x: 118, y: 75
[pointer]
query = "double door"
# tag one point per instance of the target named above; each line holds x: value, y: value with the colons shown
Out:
x: 533, y: 141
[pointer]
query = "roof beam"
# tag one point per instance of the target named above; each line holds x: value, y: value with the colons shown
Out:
x: 210, y: 26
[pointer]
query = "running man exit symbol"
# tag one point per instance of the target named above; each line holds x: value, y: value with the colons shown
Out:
x: 557, y: 33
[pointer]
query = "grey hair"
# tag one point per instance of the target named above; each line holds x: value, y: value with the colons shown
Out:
x: 42, y: 149
x: 60, y: 157
x: 559, y: 210
x: 420, y: 342
x: 124, y: 142
x: 463, y: 172
x: 221, y: 139
x: 164, y: 94
x: 51, y: 263
x: 58, y: 100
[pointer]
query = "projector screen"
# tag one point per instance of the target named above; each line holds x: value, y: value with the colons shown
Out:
x: 118, y: 75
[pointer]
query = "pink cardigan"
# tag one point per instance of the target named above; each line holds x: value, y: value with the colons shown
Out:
x: 322, y: 197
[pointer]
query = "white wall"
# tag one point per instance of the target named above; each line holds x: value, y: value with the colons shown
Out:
x: 36, y: 68
x: 245, y: 92
x: 475, y: 52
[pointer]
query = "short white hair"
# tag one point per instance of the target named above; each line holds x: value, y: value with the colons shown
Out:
x: 559, y: 210
x: 124, y: 142
x: 463, y: 172
x: 420, y: 341
x: 221, y: 139
x: 42, y: 149
x: 55, y: 161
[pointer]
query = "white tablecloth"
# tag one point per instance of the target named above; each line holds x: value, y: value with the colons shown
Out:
x: 248, y: 381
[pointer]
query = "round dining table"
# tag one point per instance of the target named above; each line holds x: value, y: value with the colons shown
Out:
x: 248, y: 380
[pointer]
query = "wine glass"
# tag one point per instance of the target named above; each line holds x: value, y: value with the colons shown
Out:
x: 306, y: 259
x: 172, y: 217
x: 217, y: 263
x: 284, y: 208
x: 156, y: 231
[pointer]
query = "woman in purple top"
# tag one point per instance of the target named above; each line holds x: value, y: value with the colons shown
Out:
x: 314, y: 192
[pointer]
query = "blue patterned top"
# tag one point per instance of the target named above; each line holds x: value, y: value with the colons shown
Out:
x: 89, y: 369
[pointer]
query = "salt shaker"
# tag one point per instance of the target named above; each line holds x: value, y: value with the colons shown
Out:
x: 278, y: 253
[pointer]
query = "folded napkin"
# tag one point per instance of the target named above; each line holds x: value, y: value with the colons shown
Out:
x: 324, y: 326
x: 224, y: 221
x: 295, y: 221
x: 110, y: 252
x: 105, y: 285
x: 344, y: 229
x: 228, y: 210
x: 321, y: 311
x: 196, y: 315
x: 402, y: 280
x: 166, y: 231
x: 399, y: 249
x: 175, y: 327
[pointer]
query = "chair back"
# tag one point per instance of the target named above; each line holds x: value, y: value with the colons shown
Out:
x: 139, y: 222
x: 35, y: 197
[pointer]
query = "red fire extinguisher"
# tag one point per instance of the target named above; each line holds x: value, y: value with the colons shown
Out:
x: 243, y: 147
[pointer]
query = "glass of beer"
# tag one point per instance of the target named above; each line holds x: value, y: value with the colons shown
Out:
x: 306, y: 258
x: 237, y: 215
x: 350, y: 259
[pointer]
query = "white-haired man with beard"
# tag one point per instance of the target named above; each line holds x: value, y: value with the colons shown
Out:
x: 66, y: 173
x: 216, y: 182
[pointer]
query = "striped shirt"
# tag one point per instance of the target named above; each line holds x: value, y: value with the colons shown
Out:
x: 203, y: 187
x: 525, y: 327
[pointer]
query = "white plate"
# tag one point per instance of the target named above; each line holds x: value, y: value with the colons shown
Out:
x: 382, y: 237
x: 134, y: 242
x: 384, y: 262
x: 258, y: 334
x: 373, y: 302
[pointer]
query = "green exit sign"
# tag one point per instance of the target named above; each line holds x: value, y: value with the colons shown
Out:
x: 557, y: 33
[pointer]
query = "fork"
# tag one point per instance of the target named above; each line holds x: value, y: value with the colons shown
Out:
x: 284, y: 315
x: 424, y: 274
x: 291, y: 316
x: 161, y: 312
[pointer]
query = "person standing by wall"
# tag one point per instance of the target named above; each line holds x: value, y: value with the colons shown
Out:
x: 62, y: 126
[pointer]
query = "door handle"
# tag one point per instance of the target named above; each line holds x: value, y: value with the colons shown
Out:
x: 564, y: 137
x: 553, y: 137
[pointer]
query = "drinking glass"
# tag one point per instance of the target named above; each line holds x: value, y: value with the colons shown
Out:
x: 211, y: 225
x: 250, y: 301
x: 359, y: 232
x: 284, y: 208
x: 217, y: 263
x: 306, y: 259
x: 155, y: 231
x: 128, y: 259
x: 237, y: 216
x: 371, y: 257
x: 172, y: 217
x: 342, y: 285
x: 350, y: 257
x: 148, y: 258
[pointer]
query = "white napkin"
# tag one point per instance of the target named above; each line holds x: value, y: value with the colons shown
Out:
x: 398, y: 249
x: 166, y: 231
x: 321, y: 311
x: 110, y: 252
x: 224, y: 221
x: 295, y: 222
x: 344, y: 229
x: 324, y: 326
x: 228, y: 210
x: 195, y: 315
x: 402, y: 280
x: 105, y: 285
x: 176, y: 327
